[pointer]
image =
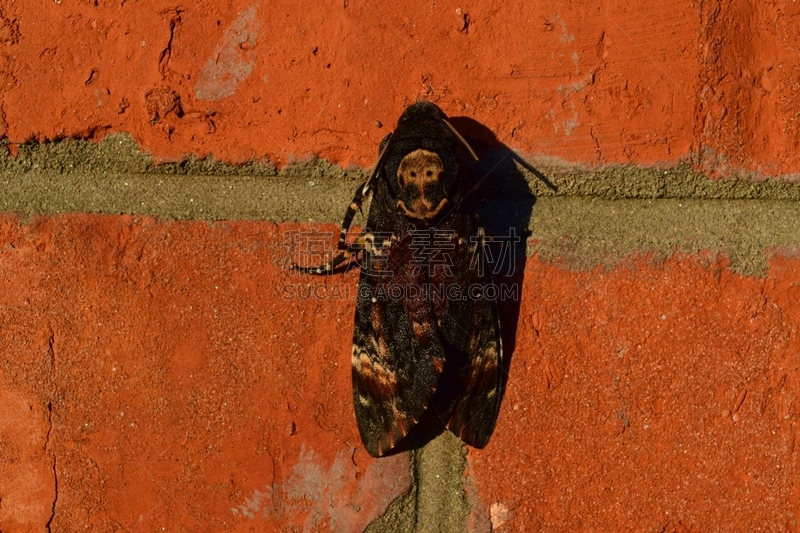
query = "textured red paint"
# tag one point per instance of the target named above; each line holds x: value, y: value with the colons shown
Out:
x: 652, y: 397
x: 613, y: 83
x: 186, y: 392
x: 191, y: 389
x: 27, y: 486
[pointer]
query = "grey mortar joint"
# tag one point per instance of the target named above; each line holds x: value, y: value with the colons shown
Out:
x: 436, y: 501
x: 608, y: 214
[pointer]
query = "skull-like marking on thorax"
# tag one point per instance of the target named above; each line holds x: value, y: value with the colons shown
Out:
x: 422, y: 196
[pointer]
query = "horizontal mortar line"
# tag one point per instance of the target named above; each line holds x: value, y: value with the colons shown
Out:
x: 582, y: 230
x: 115, y: 164
x: 619, y: 183
x: 271, y: 198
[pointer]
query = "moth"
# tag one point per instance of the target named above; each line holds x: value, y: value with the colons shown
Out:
x: 425, y: 336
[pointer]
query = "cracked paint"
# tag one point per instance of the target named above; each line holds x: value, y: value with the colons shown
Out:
x: 27, y: 479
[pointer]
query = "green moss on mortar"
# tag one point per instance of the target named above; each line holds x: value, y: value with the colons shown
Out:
x: 594, y: 217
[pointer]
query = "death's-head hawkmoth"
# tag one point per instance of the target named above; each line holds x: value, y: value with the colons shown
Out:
x: 425, y: 338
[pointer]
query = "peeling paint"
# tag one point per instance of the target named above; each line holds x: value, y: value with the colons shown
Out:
x: 319, y: 494
x: 233, y: 60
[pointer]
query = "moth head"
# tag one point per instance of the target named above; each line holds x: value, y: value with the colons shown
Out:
x: 422, y: 196
x: 421, y: 111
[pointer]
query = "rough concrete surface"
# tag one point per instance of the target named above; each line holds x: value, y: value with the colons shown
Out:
x: 607, y: 214
x: 436, y: 501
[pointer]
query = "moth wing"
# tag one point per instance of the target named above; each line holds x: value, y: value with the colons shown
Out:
x: 468, y: 399
x: 397, y: 354
x: 474, y: 413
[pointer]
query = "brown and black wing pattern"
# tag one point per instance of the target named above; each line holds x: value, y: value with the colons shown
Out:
x: 397, y: 353
x: 469, y: 391
x: 436, y: 350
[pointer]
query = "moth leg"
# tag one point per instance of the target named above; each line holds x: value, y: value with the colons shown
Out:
x: 350, y: 252
x: 352, y: 209
x: 363, y: 191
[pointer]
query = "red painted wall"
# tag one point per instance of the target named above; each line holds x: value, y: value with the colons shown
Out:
x: 614, y: 82
x: 666, y: 399
x: 143, y: 386
x: 154, y: 376
x: 654, y: 395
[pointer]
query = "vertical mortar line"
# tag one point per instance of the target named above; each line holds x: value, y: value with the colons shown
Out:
x: 441, y: 503
x: 402, y: 514
x: 415, y: 481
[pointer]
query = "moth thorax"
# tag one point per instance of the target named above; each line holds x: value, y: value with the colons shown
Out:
x: 422, y: 196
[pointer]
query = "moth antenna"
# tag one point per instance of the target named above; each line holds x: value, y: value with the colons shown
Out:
x: 406, y: 359
x: 462, y: 139
x: 379, y: 165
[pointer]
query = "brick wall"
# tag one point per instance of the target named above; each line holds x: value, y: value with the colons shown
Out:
x: 162, y: 370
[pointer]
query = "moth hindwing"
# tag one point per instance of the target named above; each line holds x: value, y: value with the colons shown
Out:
x: 423, y: 339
